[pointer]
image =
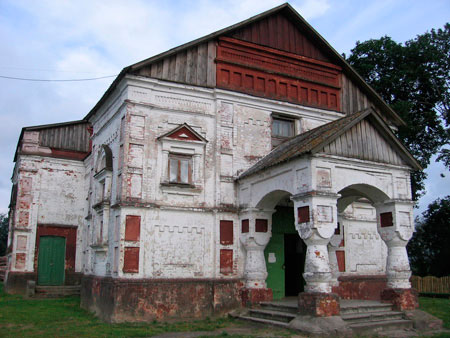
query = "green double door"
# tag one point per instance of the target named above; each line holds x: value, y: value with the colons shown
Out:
x: 285, y: 256
x: 52, y: 252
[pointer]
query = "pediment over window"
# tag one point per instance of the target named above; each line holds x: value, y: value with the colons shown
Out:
x: 183, y: 133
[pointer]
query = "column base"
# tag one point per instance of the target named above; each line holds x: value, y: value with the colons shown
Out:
x: 318, y: 304
x: 252, y: 296
x: 401, y: 299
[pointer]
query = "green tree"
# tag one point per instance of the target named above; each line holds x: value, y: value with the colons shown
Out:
x: 4, y: 227
x: 414, y: 79
x: 429, y: 249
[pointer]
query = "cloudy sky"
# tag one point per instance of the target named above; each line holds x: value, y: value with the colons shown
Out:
x: 58, y: 39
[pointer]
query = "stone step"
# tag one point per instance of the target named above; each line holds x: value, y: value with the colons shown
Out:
x: 366, y: 308
x: 263, y: 321
x: 281, y: 307
x: 58, y: 291
x: 371, y: 316
x: 280, y: 316
x: 380, y: 326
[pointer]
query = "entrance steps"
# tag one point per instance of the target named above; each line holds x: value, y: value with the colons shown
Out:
x: 361, y: 316
x: 368, y: 316
x: 57, y: 291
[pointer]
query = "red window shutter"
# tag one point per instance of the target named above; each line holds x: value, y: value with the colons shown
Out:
x: 226, y: 232
x: 245, y: 226
x: 226, y: 261
x: 303, y: 214
x: 133, y: 228
x: 131, y: 260
x: 386, y: 219
x: 340, y: 255
x: 261, y: 225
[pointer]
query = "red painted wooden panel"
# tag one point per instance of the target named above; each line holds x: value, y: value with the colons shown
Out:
x: 261, y: 71
x: 261, y: 225
x: 303, y: 214
x: 245, y: 226
x: 226, y: 261
x: 386, y: 219
x: 226, y: 232
x: 132, y: 228
x: 131, y: 260
x: 340, y: 255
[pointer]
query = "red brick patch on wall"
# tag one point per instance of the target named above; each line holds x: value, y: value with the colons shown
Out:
x: 226, y: 261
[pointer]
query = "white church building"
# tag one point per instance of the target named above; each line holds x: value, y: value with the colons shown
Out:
x: 248, y: 165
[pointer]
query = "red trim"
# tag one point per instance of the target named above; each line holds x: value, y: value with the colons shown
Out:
x: 263, y: 71
x: 69, y: 233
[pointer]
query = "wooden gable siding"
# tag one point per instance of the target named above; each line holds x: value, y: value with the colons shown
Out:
x: 364, y: 142
x: 277, y: 31
x: 74, y: 137
x: 353, y: 98
x: 194, y: 66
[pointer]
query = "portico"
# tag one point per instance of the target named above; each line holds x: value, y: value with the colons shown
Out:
x: 322, y: 172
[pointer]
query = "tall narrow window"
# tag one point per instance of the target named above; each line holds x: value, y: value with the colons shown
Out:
x: 180, y: 169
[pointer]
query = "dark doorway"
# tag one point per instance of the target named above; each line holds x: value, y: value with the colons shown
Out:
x: 294, y: 261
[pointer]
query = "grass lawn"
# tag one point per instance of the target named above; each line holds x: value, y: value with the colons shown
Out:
x: 438, y: 307
x: 63, y: 317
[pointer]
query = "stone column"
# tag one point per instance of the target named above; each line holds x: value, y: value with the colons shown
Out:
x: 256, y: 231
x: 316, y: 220
x: 333, y: 245
x: 395, y: 226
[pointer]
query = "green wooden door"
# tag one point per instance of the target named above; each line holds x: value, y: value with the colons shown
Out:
x: 52, y: 252
x: 282, y: 223
x: 274, y: 254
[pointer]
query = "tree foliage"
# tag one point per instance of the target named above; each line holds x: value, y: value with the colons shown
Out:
x: 4, y: 226
x: 429, y: 249
x: 414, y: 79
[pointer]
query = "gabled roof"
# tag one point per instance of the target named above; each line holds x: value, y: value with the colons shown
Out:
x: 183, y: 132
x: 43, y: 127
x: 315, y: 140
x: 290, y: 12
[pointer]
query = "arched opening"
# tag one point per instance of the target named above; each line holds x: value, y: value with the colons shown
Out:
x: 285, y: 252
x: 360, y: 249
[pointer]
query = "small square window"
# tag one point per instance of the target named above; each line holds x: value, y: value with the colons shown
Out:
x: 282, y: 129
x: 180, y: 169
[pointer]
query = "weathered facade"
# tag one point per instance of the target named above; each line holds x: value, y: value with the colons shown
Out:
x: 247, y: 165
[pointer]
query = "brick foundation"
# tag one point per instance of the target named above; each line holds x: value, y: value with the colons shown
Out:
x: 402, y: 299
x: 255, y: 296
x: 125, y: 300
x: 318, y: 304
x: 16, y: 282
x: 361, y: 287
